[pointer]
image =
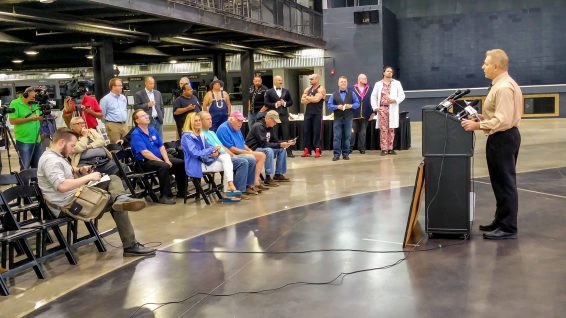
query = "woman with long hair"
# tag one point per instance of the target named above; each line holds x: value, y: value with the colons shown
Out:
x: 201, y: 157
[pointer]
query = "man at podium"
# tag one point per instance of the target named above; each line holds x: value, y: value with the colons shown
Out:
x: 502, y: 112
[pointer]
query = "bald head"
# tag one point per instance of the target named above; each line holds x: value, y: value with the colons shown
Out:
x: 149, y: 83
x: 278, y: 81
x: 183, y: 80
x: 313, y: 78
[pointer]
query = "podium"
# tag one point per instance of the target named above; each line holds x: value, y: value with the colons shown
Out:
x: 447, y: 149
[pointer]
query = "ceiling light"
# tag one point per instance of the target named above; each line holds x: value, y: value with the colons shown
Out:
x: 46, y: 1
x: 90, y: 56
x: 60, y: 76
x: 82, y: 47
x: 17, y: 61
x: 173, y: 61
x: 31, y: 52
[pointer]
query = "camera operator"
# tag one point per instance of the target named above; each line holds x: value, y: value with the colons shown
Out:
x: 26, y: 119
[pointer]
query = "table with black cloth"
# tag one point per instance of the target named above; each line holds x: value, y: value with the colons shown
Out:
x: 402, y: 134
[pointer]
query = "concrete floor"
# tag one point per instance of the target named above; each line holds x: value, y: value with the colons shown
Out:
x: 314, y: 180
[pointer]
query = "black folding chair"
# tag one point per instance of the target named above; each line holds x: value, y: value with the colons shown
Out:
x: 10, y: 238
x: 30, y: 193
x: 205, y: 193
x: 135, y: 178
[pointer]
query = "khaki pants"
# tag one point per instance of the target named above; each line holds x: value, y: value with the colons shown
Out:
x: 116, y: 131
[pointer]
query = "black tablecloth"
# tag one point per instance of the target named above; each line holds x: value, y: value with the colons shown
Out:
x: 402, y: 134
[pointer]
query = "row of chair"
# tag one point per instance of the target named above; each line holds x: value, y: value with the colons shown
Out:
x: 24, y: 215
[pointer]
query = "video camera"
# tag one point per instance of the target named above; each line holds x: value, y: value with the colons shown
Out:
x: 6, y: 110
x: 76, y: 89
x: 42, y: 99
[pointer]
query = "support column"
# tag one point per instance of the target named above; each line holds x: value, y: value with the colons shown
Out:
x: 219, y: 66
x: 103, y: 67
x: 248, y: 72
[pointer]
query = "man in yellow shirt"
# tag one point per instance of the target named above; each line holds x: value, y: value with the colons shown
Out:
x: 502, y: 112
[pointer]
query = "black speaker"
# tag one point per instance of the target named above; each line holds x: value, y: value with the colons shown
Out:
x: 374, y: 16
x: 358, y: 17
x: 366, y: 17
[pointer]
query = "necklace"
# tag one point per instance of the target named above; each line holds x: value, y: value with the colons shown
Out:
x: 218, y: 104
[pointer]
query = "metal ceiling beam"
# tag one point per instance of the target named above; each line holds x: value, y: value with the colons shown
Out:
x: 216, y: 20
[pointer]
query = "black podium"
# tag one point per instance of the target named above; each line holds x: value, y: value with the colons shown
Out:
x: 447, y: 149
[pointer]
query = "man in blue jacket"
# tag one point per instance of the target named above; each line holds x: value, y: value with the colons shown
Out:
x: 361, y: 115
x: 342, y: 102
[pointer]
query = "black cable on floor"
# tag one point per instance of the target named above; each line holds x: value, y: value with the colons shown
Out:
x: 339, y: 278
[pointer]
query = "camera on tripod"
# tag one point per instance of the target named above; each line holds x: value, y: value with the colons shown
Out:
x: 6, y: 110
x: 42, y: 99
x: 76, y: 89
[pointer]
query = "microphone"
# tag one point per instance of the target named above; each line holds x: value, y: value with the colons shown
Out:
x: 468, y: 111
x: 462, y: 93
x: 446, y: 102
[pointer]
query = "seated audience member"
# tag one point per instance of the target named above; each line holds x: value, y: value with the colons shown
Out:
x: 90, y: 149
x: 148, y: 148
x: 262, y: 138
x: 232, y: 138
x: 56, y: 179
x: 201, y: 157
x: 244, y: 165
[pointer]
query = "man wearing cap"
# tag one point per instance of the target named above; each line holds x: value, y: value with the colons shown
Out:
x: 262, y: 138
x: 26, y: 119
x: 279, y: 99
x: 231, y: 136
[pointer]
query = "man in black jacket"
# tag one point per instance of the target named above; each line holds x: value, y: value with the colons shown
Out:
x: 262, y: 138
x: 256, y: 105
x: 279, y: 99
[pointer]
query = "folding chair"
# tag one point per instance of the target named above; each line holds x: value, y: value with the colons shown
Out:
x: 10, y: 238
x: 211, y: 189
x: 135, y: 177
x: 26, y: 194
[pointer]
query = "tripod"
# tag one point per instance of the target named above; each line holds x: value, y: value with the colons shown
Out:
x: 6, y: 135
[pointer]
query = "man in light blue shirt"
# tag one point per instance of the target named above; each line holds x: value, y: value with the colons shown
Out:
x: 115, y: 110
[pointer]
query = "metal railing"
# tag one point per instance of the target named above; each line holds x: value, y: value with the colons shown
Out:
x: 285, y: 14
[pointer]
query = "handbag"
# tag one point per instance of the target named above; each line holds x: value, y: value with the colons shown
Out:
x: 88, y: 204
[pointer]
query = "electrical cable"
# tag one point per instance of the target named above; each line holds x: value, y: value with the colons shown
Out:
x: 339, y: 278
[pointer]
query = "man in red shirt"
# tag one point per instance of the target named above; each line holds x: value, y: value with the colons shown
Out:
x: 91, y: 110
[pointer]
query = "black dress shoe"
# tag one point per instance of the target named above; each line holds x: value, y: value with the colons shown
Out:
x: 346, y: 157
x: 499, y: 234
x: 138, y: 250
x: 336, y: 158
x: 362, y: 152
x: 488, y: 228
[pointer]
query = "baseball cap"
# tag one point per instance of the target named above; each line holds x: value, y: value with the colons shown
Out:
x: 273, y: 115
x: 237, y: 115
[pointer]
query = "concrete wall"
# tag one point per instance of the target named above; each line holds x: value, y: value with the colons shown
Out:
x: 442, y: 43
x: 351, y: 49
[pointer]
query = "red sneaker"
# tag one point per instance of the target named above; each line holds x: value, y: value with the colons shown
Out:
x: 306, y: 153
x: 317, y: 153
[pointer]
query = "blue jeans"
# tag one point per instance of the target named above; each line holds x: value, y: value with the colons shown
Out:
x: 251, y: 119
x: 27, y: 153
x: 159, y: 127
x: 270, y: 155
x: 342, y: 133
x: 244, y: 172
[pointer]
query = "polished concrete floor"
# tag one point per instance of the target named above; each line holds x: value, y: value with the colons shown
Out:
x: 314, y: 225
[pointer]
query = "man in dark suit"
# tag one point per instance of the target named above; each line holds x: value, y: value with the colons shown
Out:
x: 279, y: 99
x: 150, y: 100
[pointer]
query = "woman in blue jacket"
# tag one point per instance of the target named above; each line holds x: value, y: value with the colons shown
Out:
x: 201, y: 157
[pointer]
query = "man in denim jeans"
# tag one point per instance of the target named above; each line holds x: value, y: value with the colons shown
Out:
x: 26, y: 119
x: 262, y: 138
